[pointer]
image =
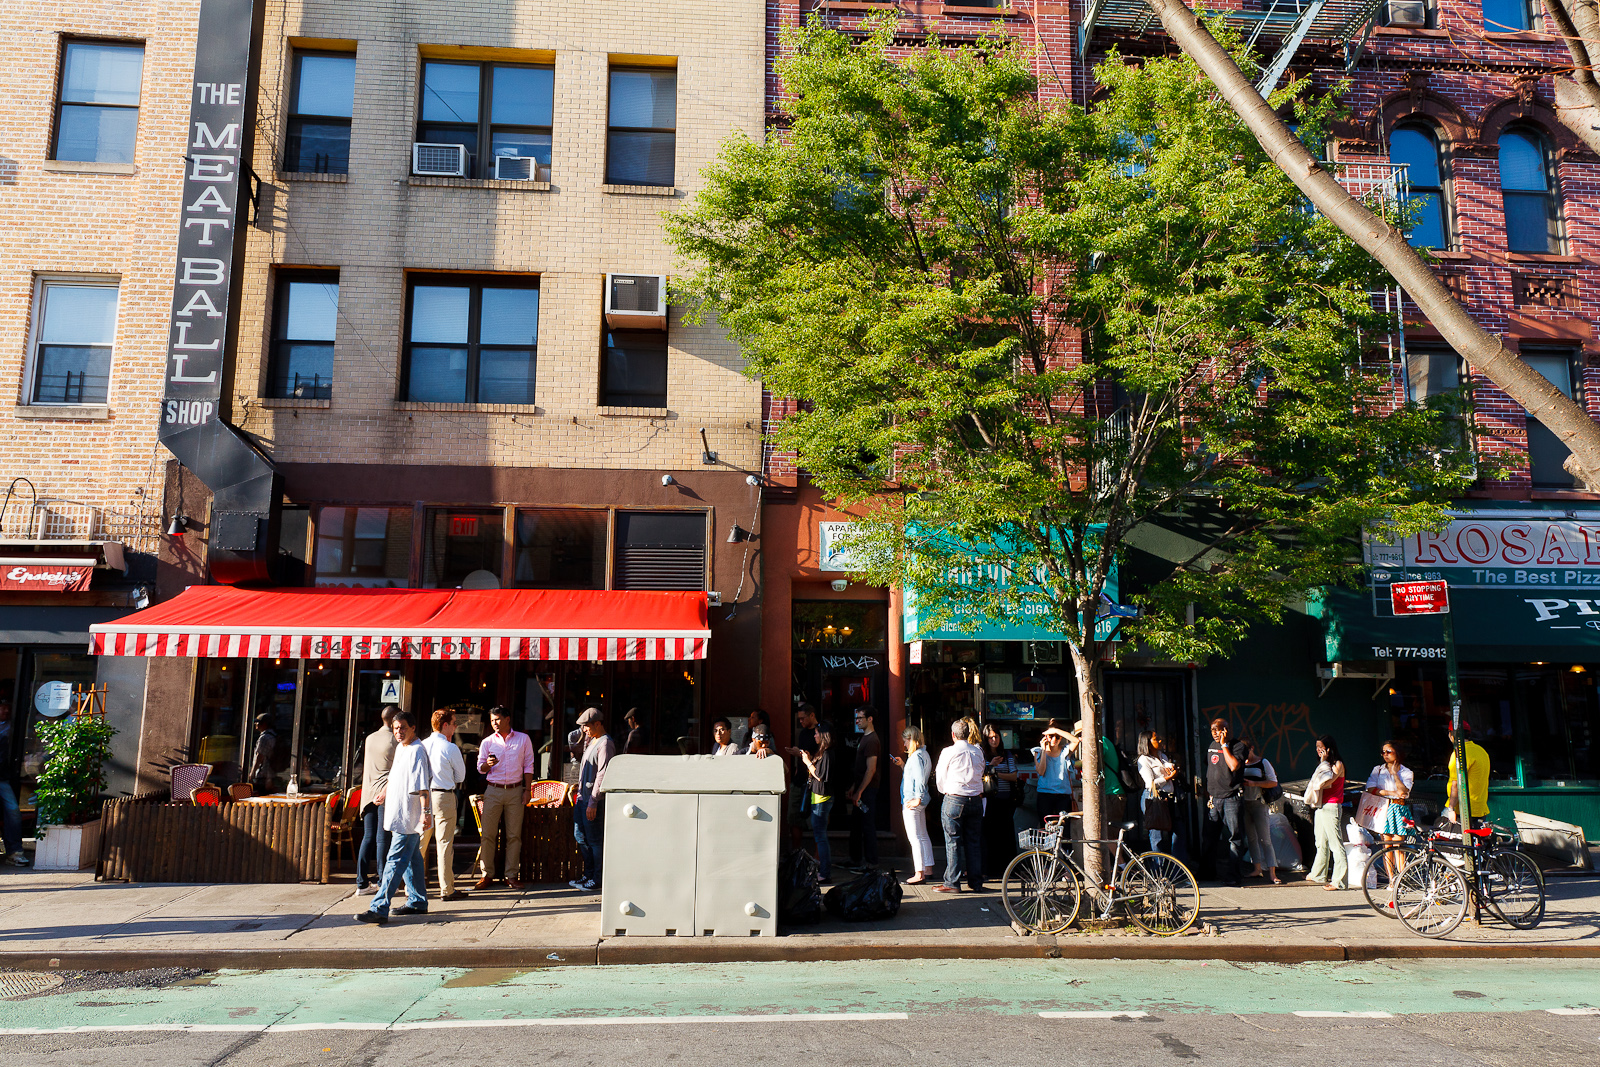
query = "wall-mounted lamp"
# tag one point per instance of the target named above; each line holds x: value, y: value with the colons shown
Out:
x: 667, y: 479
x: 752, y: 480
x: 737, y: 533
x: 179, y: 524
x: 840, y: 584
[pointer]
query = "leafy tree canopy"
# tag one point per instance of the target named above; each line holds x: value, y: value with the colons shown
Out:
x: 1027, y: 336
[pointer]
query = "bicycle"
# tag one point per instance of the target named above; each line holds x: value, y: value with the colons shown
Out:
x: 1042, y: 888
x: 1430, y: 894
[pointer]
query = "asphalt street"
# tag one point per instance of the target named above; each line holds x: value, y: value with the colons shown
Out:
x: 1515, y: 1013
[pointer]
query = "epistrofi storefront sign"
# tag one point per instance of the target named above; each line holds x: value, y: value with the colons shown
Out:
x: 1517, y: 578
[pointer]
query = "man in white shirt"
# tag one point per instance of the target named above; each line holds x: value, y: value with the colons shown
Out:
x: 449, y: 771
x: 405, y: 816
x: 959, y: 776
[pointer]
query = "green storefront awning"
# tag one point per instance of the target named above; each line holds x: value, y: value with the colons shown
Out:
x: 1491, y: 625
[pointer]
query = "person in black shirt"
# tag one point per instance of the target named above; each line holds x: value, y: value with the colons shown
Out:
x: 1225, y: 761
x: 805, y: 741
x: 864, y: 792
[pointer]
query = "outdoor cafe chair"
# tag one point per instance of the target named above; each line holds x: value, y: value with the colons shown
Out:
x: 186, y: 778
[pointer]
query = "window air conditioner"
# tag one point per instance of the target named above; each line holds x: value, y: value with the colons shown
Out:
x: 1410, y: 13
x: 636, y: 301
x: 513, y: 168
x: 439, y: 160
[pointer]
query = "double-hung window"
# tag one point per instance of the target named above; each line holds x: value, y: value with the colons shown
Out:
x: 1416, y: 147
x: 642, y: 136
x: 97, y: 108
x: 1506, y: 16
x: 472, y: 340
x: 494, y: 111
x: 75, y: 327
x: 635, y: 372
x: 1546, y: 454
x: 1528, y: 188
x: 305, y: 314
x: 321, y: 100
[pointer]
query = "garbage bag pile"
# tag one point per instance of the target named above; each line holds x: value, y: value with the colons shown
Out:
x: 800, y: 893
x: 873, y: 894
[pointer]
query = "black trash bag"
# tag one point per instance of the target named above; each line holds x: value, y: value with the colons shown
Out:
x: 873, y: 894
x: 800, y: 900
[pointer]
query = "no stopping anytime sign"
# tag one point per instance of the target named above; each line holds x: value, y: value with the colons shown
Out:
x: 1420, y: 598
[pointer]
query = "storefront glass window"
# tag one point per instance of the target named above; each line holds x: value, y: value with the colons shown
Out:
x: 560, y: 549
x: 322, y: 725
x: 56, y: 675
x: 222, y: 707
x: 1560, y: 705
x: 824, y: 624
x: 364, y: 547
x: 267, y: 757
x: 460, y: 542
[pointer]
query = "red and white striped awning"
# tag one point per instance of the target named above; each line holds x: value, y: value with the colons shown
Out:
x: 448, y: 624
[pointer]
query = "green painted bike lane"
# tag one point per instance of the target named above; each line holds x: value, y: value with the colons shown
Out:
x: 427, y: 997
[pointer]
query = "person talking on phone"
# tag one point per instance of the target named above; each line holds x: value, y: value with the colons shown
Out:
x: 506, y: 759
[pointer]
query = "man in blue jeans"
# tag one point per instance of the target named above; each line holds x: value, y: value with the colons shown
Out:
x: 377, y: 752
x: 588, y: 807
x: 406, y: 814
x: 959, y: 776
x: 10, y: 814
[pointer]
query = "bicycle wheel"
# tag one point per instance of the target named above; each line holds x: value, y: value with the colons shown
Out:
x: 1430, y: 896
x: 1160, y: 894
x: 1513, y: 886
x: 1377, y: 884
x: 1041, y: 892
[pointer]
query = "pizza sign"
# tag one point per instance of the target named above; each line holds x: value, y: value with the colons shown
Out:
x: 1420, y: 598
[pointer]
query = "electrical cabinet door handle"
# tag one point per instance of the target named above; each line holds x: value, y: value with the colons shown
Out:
x: 754, y: 812
x: 631, y: 811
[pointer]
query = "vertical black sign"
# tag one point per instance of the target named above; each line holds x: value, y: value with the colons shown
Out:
x: 209, y: 219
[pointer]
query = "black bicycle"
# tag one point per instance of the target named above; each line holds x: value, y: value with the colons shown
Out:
x: 1423, y: 882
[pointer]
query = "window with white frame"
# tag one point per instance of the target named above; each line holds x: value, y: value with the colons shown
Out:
x: 75, y: 327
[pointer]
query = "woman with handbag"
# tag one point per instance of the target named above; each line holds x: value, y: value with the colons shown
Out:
x: 1260, y: 788
x: 1160, y: 776
x: 1325, y: 796
x: 914, y: 801
x: 1392, y: 780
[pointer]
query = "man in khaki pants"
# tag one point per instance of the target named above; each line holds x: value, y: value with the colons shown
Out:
x: 506, y: 759
x: 449, y: 770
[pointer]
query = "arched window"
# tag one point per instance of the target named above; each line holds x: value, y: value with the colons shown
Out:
x: 1417, y: 148
x: 1506, y: 16
x: 1527, y: 182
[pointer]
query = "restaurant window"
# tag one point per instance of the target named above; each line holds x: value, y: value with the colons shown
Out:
x: 223, y: 693
x: 460, y: 543
x: 305, y: 316
x: 75, y: 330
x: 1546, y: 453
x: 635, y: 369
x: 364, y: 547
x: 1506, y: 16
x: 560, y: 549
x: 642, y: 135
x: 472, y: 340
x: 1418, y: 148
x: 321, y: 100
x: 266, y: 765
x: 320, y: 744
x: 660, y: 550
x: 97, y: 107
x: 507, y: 108
x: 1528, y: 191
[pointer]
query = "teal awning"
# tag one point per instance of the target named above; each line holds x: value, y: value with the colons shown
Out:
x: 1504, y: 625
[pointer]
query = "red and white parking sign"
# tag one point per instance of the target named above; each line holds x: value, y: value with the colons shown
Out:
x: 1420, y: 598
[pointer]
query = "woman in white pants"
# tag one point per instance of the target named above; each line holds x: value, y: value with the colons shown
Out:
x: 914, y: 801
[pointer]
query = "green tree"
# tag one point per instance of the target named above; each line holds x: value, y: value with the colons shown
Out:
x: 1024, y: 334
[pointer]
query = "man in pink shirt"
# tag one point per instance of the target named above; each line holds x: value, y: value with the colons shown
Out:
x: 506, y: 758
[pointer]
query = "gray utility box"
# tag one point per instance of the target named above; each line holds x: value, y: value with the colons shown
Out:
x: 691, y: 846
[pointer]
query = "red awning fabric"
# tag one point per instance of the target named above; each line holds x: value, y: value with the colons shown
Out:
x: 458, y: 624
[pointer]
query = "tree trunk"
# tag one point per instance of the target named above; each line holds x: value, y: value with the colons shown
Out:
x: 1388, y: 246
x: 1578, y: 94
x: 1088, y: 678
x: 1575, y: 105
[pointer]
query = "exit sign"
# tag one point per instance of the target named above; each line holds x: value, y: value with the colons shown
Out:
x: 463, y: 526
x: 1420, y: 598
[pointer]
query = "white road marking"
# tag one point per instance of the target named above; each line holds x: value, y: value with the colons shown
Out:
x: 1344, y: 1015
x: 1573, y: 1011
x: 1094, y: 1015
x: 451, y: 1024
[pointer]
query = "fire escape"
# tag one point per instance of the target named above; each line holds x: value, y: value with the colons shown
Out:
x: 1287, y: 23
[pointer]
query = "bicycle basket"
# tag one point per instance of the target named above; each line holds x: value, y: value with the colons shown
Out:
x: 1040, y: 839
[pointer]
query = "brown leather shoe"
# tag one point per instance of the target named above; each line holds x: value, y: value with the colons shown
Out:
x: 483, y: 883
x: 516, y: 886
x: 454, y: 894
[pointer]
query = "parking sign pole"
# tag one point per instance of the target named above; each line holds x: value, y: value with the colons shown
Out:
x: 1463, y: 802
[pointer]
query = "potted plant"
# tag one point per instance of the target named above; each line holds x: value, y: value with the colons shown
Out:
x: 67, y: 796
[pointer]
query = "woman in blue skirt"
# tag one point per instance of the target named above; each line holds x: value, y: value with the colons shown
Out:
x: 1392, y: 780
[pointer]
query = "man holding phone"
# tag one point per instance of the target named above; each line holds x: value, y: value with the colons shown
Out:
x: 506, y: 759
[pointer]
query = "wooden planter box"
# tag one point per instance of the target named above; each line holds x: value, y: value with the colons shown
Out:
x: 153, y: 841
x: 68, y: 848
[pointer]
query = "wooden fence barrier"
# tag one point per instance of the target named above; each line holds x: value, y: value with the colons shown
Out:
x: 145, y: 840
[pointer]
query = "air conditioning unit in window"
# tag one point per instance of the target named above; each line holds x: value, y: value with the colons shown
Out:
x: 439, y: 160
x: 513, y: 168
x: 636, y: 301
x: 1409, y: 13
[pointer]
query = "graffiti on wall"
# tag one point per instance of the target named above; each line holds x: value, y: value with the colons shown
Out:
x: 1282, y: 732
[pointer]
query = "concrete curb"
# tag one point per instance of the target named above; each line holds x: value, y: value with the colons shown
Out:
x: 622, y: 951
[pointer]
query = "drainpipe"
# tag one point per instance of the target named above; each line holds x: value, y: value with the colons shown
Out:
x: 246, y: 489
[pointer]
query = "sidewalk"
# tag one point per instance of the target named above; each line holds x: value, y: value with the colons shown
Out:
x: 70, y: 921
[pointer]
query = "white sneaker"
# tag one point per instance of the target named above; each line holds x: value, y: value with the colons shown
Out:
x: 19, y: 858
x: 576, y: 883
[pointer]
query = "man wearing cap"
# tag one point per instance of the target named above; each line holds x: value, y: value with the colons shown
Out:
x: 261, y: 775
x: 506, y: 759
x: 588, y: 807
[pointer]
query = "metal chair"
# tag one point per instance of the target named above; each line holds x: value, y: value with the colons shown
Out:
x: 186, y: 778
